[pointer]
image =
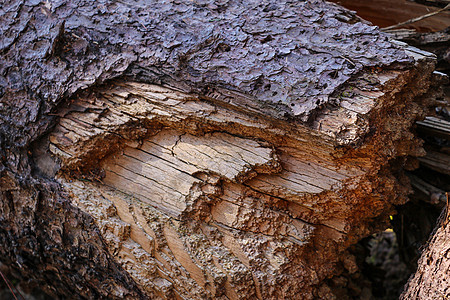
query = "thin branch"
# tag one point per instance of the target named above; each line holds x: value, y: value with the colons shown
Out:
x: 418, y: 18
x: 7, y: 283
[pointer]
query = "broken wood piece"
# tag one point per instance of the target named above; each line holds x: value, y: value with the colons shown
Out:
x: 433, y: 195
x: 435, y: 127
x: 208, y: 192
x: 437, y: 161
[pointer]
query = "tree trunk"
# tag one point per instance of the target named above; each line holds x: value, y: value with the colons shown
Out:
x: 194, y: 150
x: 431, y: 280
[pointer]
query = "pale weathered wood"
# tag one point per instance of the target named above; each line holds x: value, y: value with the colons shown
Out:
x: 166, y: 170
x: 227, y: 204
x: 153, y: 114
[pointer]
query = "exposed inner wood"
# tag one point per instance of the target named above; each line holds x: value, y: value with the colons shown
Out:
x: 198, y: 199
x: 153, y: 192
x: 166, y: 170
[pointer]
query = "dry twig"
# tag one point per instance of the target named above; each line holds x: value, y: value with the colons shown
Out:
x: 9, y: 286
x: 417, y: 19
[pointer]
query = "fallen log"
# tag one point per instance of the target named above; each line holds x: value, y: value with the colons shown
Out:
x: 229, y: 151
x: 430, y: 281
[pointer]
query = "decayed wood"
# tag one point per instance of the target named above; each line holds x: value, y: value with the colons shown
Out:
x: 155, y: 114
x: 223, y: 203
x: 415, y: 220
x: 431, y: 184
x: 423, y: 39
x: 163, y: 170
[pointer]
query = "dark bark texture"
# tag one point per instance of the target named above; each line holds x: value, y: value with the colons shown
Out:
x: 289, y: 57
x: 281, y: 59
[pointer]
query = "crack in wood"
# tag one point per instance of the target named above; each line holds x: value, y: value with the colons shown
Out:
x: 203, y: 176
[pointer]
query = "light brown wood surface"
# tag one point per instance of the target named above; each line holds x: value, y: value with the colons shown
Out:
x: 197, y: 199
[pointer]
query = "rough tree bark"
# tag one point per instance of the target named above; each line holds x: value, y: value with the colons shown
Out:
x: 431, y: 280
x: 198, y: 150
